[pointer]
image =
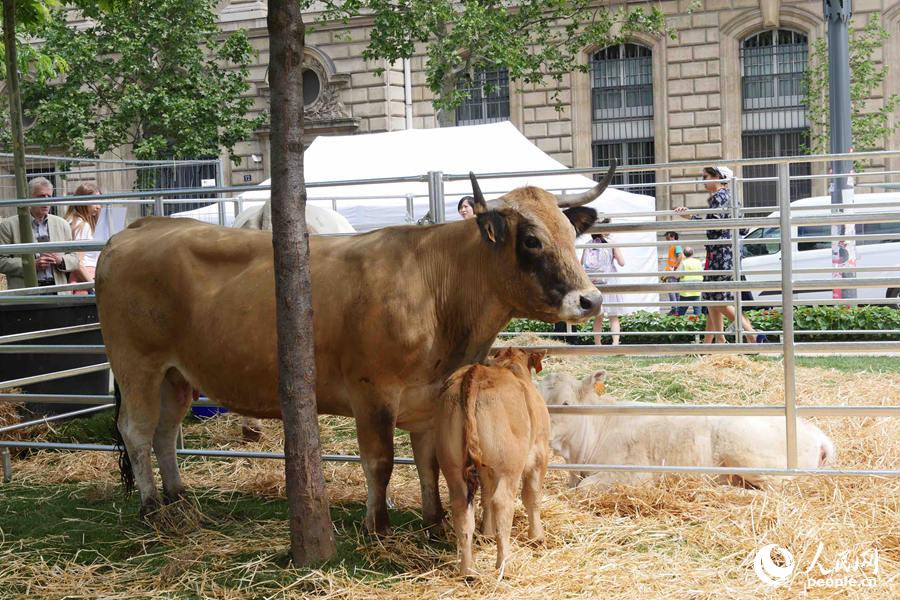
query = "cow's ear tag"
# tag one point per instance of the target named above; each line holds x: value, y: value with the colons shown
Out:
x: 599, y: 387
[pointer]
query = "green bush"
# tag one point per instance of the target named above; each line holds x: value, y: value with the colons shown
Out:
x: 806, y: 318
x: 810, y: 318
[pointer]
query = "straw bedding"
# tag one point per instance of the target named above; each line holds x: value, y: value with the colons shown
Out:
x: 685, y: 537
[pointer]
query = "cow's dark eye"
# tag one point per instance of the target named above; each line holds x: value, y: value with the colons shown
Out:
x: 532, y: 242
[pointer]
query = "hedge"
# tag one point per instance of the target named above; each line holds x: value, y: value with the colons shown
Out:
x: 859, y: 318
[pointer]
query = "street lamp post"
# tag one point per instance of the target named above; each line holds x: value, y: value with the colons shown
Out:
x: 843, y: 252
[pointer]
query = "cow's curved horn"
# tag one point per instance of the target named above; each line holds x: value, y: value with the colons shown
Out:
x: 480, y: 204
x: 590, y: 195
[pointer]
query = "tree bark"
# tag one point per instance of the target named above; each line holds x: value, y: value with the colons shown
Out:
x: 18, y: 137
x: 312, y: 533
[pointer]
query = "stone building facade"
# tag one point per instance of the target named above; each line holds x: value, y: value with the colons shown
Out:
x: 728, y: 86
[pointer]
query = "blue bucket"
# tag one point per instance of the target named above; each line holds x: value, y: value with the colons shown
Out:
x: 205, y: 412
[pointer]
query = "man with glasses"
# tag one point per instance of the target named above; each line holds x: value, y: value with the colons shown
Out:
x: 52, y: 267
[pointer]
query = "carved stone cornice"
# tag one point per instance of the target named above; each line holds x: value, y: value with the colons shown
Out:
x: 327, y: 111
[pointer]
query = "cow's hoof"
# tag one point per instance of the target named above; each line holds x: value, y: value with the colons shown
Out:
x: 174, y: 496
x: 176, y: 517
x: 435, y: 532
x: 150, y: 509
x: 250, y: 435
x: 378, y: 524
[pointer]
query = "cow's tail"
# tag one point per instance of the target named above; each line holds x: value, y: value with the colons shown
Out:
x: 471, y: 444
x: 126, y: 473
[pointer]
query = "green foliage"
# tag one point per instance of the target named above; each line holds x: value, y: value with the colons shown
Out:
x: 528, y: 325
x: 35, y: 63
x: 533, y: 39
x: 808, y: 318
x: 671, y: 328
x: 869, y: 128
x: 157, y: 75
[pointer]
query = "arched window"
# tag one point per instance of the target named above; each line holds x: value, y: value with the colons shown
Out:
x: 488, y: 100
x: 622, y: 112
x: 774, y: 123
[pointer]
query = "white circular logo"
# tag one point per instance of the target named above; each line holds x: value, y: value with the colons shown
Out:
x: 766, y: 569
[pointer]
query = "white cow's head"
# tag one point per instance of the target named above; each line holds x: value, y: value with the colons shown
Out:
x: 564, y: 389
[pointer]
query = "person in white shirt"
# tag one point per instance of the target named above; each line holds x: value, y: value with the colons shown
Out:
x: 82, y: 218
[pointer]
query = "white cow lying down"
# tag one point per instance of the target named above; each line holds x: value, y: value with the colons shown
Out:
x: 706, y: 441
x: 319, y: 219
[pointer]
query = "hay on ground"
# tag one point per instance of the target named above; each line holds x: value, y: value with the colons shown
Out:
x: 684, y: 537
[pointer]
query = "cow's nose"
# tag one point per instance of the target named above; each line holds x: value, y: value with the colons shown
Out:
x: 590, y: 302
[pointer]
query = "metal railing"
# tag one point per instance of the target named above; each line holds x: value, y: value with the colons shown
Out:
x: 788, y: 347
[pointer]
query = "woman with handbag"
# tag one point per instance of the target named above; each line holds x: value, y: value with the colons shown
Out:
x: 600, y: 263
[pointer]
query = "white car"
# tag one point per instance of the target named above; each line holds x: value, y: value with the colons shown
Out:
x: 766, y: 256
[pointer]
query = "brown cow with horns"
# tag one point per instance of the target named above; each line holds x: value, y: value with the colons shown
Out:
x: 185, y: 305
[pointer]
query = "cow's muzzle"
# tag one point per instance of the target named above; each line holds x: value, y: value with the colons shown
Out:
x: 581, y: 305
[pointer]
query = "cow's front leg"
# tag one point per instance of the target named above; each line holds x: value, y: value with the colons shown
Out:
x: 375, y: 431
x: 427, y: 466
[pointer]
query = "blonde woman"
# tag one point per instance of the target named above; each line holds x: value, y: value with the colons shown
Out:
x: 82, y: 218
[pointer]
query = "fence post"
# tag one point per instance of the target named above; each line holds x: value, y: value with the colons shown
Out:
x: 787, y: 314
x: 736, y: 258
x: 220, y: 169
x: 7, y: 466
x: 410, y: 209
x: 436, y: 196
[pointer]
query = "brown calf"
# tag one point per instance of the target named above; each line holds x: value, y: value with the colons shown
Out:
x: 492, y: 426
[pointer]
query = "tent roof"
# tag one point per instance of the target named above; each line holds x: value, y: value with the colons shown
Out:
x: 490, y: 148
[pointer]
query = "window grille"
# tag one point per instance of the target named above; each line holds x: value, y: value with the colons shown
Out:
x: 488, y: 100
x: 774, y: 143
x: 622, y: 112
x: 630, y: 152
x: 773, y: 65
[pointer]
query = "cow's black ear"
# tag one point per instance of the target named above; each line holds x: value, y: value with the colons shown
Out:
x: 581, y: 217
x: 493, y: 226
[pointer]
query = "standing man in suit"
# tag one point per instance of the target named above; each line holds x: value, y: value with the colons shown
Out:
x: 52, y: 267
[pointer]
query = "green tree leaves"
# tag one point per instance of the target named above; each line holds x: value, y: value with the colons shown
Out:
x: 533, y: 39
x: 869, y: 126
x: 154, y: 74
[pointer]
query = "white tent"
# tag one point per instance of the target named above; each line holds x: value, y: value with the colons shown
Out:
x: 491, y: 148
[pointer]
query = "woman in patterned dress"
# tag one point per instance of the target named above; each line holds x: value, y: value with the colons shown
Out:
x: 719, y: 257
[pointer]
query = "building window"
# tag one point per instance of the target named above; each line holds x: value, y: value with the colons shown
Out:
x: 774, y: 143
x: 622, y: 112
x: 175, y: 176
x: 311, y: 87
x: 773, y: 65
x: 488, y: 100
x: 628, y: 153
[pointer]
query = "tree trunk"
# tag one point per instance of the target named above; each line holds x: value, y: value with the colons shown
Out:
x: 312, y: 534
x: 18, y: 137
